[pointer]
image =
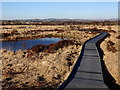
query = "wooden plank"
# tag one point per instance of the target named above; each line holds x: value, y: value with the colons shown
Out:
x: 85, y: 83
x: 89, y: 73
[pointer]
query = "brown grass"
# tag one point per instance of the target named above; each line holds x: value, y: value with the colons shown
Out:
x: 101, y: 30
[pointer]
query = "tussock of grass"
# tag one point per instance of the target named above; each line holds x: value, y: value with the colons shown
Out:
x: 110, y: 46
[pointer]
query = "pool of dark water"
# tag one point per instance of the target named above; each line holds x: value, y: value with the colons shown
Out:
x: 27, y: 44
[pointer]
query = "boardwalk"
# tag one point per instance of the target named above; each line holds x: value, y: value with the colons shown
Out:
x: 87, y: 72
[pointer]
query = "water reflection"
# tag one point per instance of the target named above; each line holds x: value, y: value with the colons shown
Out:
x: 27, y: 44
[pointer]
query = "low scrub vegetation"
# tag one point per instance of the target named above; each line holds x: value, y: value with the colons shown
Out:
x: 118, y: 37
x: 52, y: 48
x: 110, y: 46
x: 101, y: 30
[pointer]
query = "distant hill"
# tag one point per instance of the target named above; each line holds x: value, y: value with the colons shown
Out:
x: 60, y: 20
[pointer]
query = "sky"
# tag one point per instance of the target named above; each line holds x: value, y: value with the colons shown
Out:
x: 71, y: 10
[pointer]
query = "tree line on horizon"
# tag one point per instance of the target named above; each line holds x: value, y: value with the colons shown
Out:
x: 18, y: 22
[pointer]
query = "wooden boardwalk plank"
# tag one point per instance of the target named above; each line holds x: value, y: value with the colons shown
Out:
x: 85, y: 83
x: 90, y: 65
x: 89, y: 73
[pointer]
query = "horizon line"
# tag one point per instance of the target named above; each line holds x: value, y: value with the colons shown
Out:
x: 62, y: 18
